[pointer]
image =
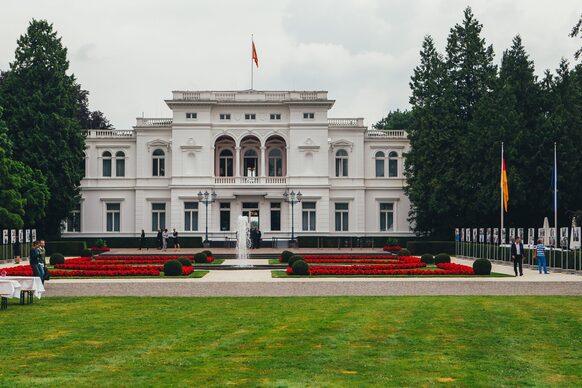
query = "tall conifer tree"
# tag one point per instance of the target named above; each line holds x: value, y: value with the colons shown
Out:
x: 41, y: 112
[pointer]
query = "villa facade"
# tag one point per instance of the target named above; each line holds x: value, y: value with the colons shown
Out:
x: 249, y: 148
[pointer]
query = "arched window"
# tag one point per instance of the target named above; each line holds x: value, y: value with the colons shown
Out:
x: 119, y: 163
x: 106, y: 163
x: 392, y: 164
x: 250, y: 163
x: 159, y: 163
x: 379, y: 163
x: 226, y: 163
x: 341, y: 163
x: 275, y: 162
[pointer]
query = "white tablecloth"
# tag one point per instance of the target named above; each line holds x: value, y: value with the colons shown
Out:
x: 29, y: 283
x: 9, y: 288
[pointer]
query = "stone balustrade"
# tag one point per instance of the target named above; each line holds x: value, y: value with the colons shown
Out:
x: 250, y: 180
x: 387, y: 134
x: 153, y: 122
x: 109, y: 133
x: 357, y: 122
x: 248, y: 95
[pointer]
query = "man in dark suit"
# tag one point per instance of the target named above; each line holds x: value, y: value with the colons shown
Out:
x: 517, y: 255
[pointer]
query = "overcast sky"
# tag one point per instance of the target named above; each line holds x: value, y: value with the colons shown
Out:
x: 131, y: 54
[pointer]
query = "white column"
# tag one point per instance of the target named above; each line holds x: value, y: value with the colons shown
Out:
x: 263, y: 163
x: 237, y: 162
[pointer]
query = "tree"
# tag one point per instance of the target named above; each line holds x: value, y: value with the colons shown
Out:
x: 87, y: 118
x: 24, y: 193
x: 41, y: 111
x: 395, y: 120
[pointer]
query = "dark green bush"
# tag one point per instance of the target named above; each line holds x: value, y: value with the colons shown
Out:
x: 207, y: 253
x: 186, y: 262
x: 404, y: 252
x: 200, y: 257
x: 86, y: 253
x: 100, y: 243
x: 482, y: 267
x: 285, y: 255
x: 427, y: 258
x: 293, y: 259
x: 57, y: 258
x: 300, y: 267
x: 172, y: 268
x: 442, y: 258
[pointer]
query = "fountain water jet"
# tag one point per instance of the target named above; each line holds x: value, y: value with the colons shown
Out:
x: 243, y: 242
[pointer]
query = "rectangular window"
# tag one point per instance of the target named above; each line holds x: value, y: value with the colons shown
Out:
x: 250, y: 116
x: 224, y: 116
x: 191, y: 115
x: 190, y: 216
x: 107, y: 167
x: 309, y: 115
x: 386, y: 217
x: 119, y: 167
x: 113, y: 217
x: 275, y: 116
x: 224, y: 216
x: 74, y: 220
x: 341, y: 217
x: 275, y: 215
x: 158, y: 216
x: 308, y: 215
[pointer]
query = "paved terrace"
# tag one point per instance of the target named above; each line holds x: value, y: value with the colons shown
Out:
x: 260, y: 283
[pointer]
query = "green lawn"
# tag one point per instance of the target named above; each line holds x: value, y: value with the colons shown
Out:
x: 331, y: 341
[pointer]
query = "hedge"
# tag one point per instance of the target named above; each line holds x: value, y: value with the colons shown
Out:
x: 432, y: 247
x: 67, y: 248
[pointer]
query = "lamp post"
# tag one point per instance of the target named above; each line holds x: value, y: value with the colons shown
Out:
x: 206, y: 198
x: 292, y: 198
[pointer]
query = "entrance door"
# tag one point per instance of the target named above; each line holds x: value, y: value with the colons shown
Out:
x: 251, y: 210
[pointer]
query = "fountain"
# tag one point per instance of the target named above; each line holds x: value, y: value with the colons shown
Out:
x: 243, y: 242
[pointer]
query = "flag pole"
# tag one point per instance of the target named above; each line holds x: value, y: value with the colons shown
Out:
x: 502, y: 185
x: 252, y: 70
x: 556, y: 194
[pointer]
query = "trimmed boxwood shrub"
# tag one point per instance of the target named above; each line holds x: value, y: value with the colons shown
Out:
x: 200, y: 257
x: 482, y: 267
x: 57, y: 258
x: 442, y: 258
x: 185, y: 261
x: 285, y: 255
x: 404, y: 252
x: 172, y: 268
x: 427, y: 258
x: 207, y: 253
x: 86, y: 253
x: 293, y: 259
x: 300, y: 267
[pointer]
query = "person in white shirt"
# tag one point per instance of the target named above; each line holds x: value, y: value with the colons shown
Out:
x: 517, y: 256
x: 165, y: 236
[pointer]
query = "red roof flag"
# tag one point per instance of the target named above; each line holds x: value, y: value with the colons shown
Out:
x: 255, y: 57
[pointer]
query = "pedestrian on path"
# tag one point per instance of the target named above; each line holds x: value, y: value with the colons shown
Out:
x: 176, y: 242
x: 165, y: 236
x: 142, y: 240
x: 517, y: 256
x: 540, y: 254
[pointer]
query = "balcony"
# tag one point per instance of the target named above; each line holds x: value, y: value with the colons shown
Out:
x: 250, y: 180
x: 153, y: 122
x: 249, y: 96
x: 387, y: 134
x: 109, y: 133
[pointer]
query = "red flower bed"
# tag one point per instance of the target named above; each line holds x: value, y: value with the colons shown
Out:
x: 100, y: 250
x: 392, y: 248
x: 458, y: 269
x: 22, y: 270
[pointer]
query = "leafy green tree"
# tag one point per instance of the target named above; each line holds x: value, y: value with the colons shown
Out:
x: 41, y: 111
x: 90, y: 119
x: 24, y: 194
x: 395, y: 120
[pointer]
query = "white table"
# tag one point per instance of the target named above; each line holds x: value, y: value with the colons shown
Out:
x: 8, y: 289
x: 28, y: 283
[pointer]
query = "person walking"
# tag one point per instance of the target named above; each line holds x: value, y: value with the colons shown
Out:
x: 540, y: 254
x: 42, y: 260
x: 16, y: 250
x: 34, y: 261
x: 517, y: 256
x: 159, y: 238
x: 165, y: 236
x: 142, y: 240
x: 176, y: 242
x: 258, y: 236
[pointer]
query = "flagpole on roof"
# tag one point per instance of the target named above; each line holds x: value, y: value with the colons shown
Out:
x: 252, y: 70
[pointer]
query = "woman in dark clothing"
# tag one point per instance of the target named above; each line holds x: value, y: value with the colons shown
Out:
x: 16, y: 251
x: 159, y: 238
x: 142, y: 240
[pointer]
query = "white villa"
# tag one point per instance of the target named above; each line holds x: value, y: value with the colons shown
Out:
x: 247, y: 147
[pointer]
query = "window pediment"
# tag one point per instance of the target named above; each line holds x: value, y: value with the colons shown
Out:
x: 159, y: 143
x: 341, y: 143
